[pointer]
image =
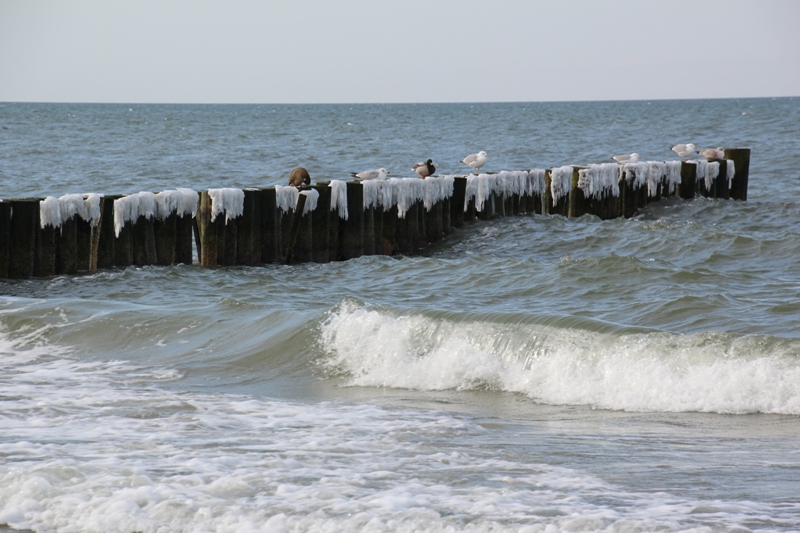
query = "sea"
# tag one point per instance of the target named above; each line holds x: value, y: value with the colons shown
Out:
x: 529, y: 373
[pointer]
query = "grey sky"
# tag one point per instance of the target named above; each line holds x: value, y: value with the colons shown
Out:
x: 406, y: 51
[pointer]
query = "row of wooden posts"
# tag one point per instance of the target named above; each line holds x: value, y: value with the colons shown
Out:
x: 265, y: 233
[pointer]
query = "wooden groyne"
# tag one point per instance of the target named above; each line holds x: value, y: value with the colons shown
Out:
x: 330, y: 220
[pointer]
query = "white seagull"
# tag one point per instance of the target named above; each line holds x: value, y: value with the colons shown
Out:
x: 626, y: 158
x: 684, y: 150
x: 379, y: 174
x: 476, y: 161
x: 712, y: 153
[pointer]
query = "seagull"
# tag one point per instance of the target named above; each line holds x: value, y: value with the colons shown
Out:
x: 627, y: 158
x: 476, y: 161
x: 684, y: 150
x: 379, y: 174
x: 424, y: 169
x: 298, y: 177
x: 711, y: 153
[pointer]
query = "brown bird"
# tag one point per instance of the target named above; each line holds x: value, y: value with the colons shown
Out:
x: 424, y: 169
x: 298, y: 177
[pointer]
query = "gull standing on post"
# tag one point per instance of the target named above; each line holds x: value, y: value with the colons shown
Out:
x: 424, y: 169
x: 476, y: 161
x: 626, y: 158
x: 684, y: 150
x: 379, y: 174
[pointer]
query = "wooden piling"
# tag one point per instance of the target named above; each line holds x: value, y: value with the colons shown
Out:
x: 299, y: 247
x: 208, y: 231
x: 688, y: 185
x: 85, y: 252
x: 457, y: 201
x: 369, y: 231
x: 433, y: 222
x: 244, y: 229
x: 577, y: 203
x: 104, y: 243
x: 320, y: 222
x: 5, y: 237
x: 447, y: 221
x: 390, y: 222
x: 143, y: 241
x: 183, y: 239
x: 721, y: 188
x: 270, y: 226
x: 230, y: 240
x: 351, y: 231
x: 165, y: 234
x: 741, y: 162
x: 547, y: 195
x: 379, y: 212
x: 421, y: 240
x: 44, y: 263
x: 22, y: 237
x: 67, y: 246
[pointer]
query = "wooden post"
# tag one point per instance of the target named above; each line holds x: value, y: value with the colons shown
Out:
x: 165, y: 234
x: 143, y: 241
x: 379, y: 212
x: 741, y: 162
x: 547, y: 196
x: 256, y: 225
x: 721, y: 188
x: 67, y: 246
x: 22, y: 233
x: 369, y: 230
x: 577, y: 204
x: 5, y: 237
x: 299, y: 248
x: 447, y: 227
x: 44, y: 263
x: 244, y: 229
x: 183, y: 239
x: 422, y: 233
x: 286, y: 218
x: 85, y: 236
x: 320, y: 224
x: 230, y: 240
x: 22, y: 237
x: 208, y: 232
x: 688, y: 185
x: 433, y: 222
x: 390, y: 223
x: 351, y: 231
x: 270, y: 226
x: 105, y: 240
x: 457, y: 202
x: 499, y: 204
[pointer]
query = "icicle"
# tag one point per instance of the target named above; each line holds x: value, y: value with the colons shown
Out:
x: 371, y: 189
x: 339, y: 197
x: 168, y: 202
x: 560, y: 182
x: 712, y: 173
x: 312, y: 197
x: 731, y: 172
x: 50, y: 212
x: 286, y: 197
x: 189, y: 203
x: 228, y: 201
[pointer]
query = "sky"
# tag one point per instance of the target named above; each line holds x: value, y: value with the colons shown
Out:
x: 359, y: 51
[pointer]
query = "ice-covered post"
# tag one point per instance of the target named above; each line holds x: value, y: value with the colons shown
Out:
x: 578, y: 204
x: 208, y: 231
x: 457, y: 201
x: 688, y: 185
x: 104, y: 242
x: 351, y: 230
x: 722, y: 183
x: 741, y: 175
x: 165, y: 226
x: 44, y: 262
x: 184, y: 226
x: 298, y: 247
x: 320, y: 217
x: 270, y: 226
x: 338, y: 213
x: 5, y: 237
x: 245, y: 225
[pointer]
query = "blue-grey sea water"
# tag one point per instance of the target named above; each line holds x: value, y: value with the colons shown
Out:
x: 530, y: 373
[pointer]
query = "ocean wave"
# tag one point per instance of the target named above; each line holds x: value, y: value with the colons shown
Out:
x: 563, y: 361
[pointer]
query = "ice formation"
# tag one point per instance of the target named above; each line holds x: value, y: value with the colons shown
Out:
x: 50, y: 212
x: 599, y: 180
x: 286, y: 197
x: 228, y: 201
x: 339, y: 197
x: 189, y: 203
x: 437, y: 189
x: 731, y: 171
x: 407, y: 192
x: 131, y: 207
x: 560, y: 182
x: 505, y: 183
x: 312, y: 197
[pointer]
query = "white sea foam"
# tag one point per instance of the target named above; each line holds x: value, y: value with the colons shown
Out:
x: 228, y: 201
x: 563, y: 366
x: 339, y: 198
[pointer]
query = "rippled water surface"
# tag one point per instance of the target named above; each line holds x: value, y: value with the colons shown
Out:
x: 531, y: 373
